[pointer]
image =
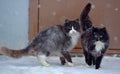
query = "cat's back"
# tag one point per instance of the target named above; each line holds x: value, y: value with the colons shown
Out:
x: 53, y: 31
x: 50, y: 33
x: 86, y: 38
x: 86, y: 34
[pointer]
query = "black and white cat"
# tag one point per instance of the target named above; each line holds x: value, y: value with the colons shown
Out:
x: 94, y: 40
x: 58, y: 39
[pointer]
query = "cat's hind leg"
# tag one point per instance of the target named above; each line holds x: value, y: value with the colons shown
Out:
x: 67, y: 56
x: 42, y: 60
x: 62, y: 59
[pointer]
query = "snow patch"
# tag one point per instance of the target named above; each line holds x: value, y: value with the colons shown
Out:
x: 93, y: 6
x: 30, y: 65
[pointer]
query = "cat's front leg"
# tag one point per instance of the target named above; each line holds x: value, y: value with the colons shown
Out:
x: 93, y: 61
x: 86, y: 56
x: 67, y: 56
x: 98, y: 62
x: 90, y: 59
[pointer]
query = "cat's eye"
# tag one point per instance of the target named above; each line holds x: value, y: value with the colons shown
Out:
x: 75, y: 27
x: 69, y: 28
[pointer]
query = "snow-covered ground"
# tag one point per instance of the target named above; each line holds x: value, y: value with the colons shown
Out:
x: 30, y: 65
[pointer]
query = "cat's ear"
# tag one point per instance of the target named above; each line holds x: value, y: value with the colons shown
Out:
x: 66, y: 20
x: 93, y: 27
x: 104, y: 28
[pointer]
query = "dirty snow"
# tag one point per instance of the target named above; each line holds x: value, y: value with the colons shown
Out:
x: 30, y: 65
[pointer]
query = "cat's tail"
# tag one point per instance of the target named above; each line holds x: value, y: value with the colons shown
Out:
x: 84, y: 17
x: 14, y: 53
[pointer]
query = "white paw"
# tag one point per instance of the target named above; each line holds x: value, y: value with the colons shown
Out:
x: 46, y: 65
x: 70, y: 64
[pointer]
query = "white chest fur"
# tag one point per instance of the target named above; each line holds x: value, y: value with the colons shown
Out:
x: 99, y: 46
x: 74, y: 40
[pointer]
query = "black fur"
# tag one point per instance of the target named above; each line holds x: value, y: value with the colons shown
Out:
x: 85, y: 20
x: 90, y: 36
x: 62, y: 59
x: 57, y: 40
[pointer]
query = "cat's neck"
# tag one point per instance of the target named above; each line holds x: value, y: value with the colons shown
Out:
x: 74, y: 40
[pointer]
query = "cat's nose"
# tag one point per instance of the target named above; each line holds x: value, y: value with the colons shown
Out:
x: 98, y: 39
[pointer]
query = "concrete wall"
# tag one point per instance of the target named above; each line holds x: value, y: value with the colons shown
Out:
x: 14, y: 23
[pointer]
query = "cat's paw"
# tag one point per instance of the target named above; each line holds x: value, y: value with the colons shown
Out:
x: 70, y: 64
x: 46, y: 65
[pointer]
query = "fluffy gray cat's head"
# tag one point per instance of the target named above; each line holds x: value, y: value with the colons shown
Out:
x: 72, y: 27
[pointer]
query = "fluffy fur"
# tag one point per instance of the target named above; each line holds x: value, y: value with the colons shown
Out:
x: 58, y: 39
x: 94, y: 40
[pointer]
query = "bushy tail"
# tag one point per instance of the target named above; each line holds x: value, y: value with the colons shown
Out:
x: 84, y: 17
x: 14, y: 53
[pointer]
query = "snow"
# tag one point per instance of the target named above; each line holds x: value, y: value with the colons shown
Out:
x: 102, y: 25
x: 116, y: 9
x: 30, y: 65
x: 93, y: 6
x: 53, y: 13
x: 115, y: 38
x: 39, y: 6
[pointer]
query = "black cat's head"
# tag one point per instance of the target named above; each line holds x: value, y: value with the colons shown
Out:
x: 100, y: 34
x: 72, y: 27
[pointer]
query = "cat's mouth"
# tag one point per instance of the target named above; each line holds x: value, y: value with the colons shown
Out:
x: 71, y: 33
x: 74, y: 33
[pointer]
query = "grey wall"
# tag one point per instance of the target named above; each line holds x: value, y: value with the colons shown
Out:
x: 14, y: 23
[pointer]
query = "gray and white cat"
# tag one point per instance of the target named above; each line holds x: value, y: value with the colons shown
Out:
x: 58, y: 39
x: 94, y: 40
